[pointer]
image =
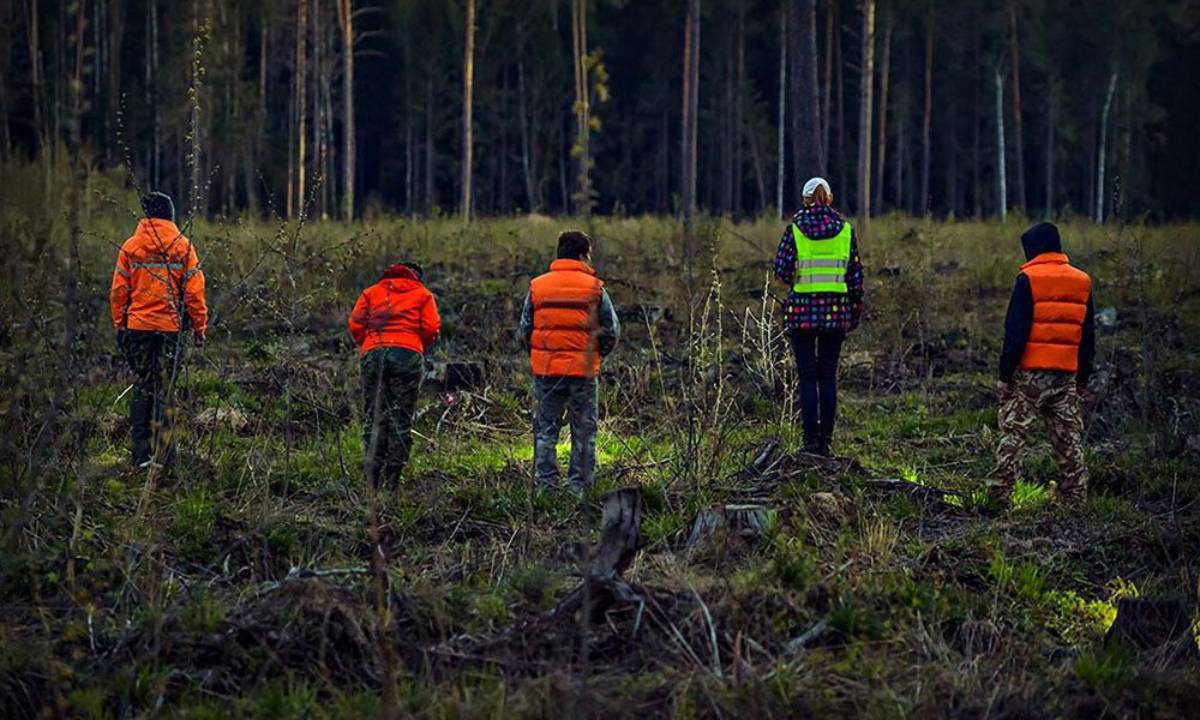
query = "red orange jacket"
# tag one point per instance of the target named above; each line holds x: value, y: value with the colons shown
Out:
x: 156, y: 280
x: 397, y: 311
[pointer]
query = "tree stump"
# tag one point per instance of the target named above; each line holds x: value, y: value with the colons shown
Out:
x: 620, y: 540
x: 456, y: 375
x: 1155, y: 624
x: 747, y: 522
x: 620, y: 532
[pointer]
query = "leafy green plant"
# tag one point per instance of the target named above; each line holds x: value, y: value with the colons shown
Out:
x: 1029, y: 496
x: 1103, y: 667
x: 193, y: 523
x: 203, y: 615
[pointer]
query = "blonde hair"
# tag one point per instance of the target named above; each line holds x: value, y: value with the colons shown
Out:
x: 820, y: 196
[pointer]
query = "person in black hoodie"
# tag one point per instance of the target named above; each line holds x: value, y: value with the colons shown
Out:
x: 818, y: 259
x: 1045, y: 363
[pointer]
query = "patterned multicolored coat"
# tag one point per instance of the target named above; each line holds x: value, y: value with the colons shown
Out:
x: 820, y: 312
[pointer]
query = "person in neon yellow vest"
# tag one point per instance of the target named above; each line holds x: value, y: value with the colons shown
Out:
x: 818, y: 259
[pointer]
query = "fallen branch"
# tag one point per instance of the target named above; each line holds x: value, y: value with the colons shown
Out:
x: 806, y: 638
x: 914, y: 488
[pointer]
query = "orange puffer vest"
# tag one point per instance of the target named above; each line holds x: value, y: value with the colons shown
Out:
x: 1060, y: 298
x: 566, y: 307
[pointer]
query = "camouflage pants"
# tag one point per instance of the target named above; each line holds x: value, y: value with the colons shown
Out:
x: 391, y: 383
x: 1051, y: 396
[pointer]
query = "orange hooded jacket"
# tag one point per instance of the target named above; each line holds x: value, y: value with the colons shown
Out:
x: 156, y: 280
x: 397, y: 311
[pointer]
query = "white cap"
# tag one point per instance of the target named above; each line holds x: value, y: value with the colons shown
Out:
x: 811, y: 186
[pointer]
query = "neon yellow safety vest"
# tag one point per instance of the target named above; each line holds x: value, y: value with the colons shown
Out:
x: 821, y: 264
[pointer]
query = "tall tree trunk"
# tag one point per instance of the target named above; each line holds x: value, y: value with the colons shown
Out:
x: 806, y: 100
x: 952, y: 187
x: 826, y: 97
x: 976, y: 132
x: 739, y: 124
x: 468, y: 101
x: 318, y: 119
x: 199, y: 29
x: 523, y: 114
x: 35, y: 75
x: 75, y: 128
x: 760, y: 178
x: 430, y: 150
x: 900, y: 153
x: 866, y: 88
x: 782, y: 119
x: 843, y: 162
x: 301, y: 81
x: 581, y: 150
x: 116, y: 39
x: 1001, y: 179
x: 663, y: 164
x: 1051, y: 109
x: 727, y: 126
x: 502, y: 205
x: 1102, y: 154
x: 927, y: 122
x: 885, y: 62
x: 1018, y: 134
x: 691, y: 106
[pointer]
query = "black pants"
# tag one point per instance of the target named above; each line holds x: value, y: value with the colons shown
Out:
x: 151, y: 357
x: 391, y: 384
x: 817, y: 356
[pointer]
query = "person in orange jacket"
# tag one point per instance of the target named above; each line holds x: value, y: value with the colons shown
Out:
x: 1045, y: 364
x: 393, y: 323
x: 157, y: 291
x: 567, y: 323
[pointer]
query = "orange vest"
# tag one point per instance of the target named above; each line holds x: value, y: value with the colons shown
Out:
x: 1060, y: 298
x: 398, y: 311
x: 566, y: 308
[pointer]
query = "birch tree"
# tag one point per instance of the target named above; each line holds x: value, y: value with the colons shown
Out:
x: 866, y: 88
x: 468, y: 100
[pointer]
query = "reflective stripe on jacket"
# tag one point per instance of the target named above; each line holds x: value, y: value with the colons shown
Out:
x: 1060, y: 299
x: 156, y: 280
x: 566, y: 306
x: 821, y: 264
x: 397, y: 311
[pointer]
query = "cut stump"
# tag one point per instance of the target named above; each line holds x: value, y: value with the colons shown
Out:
x: 620, y: 539
x: 747, y: 522
x: 456, y: 375
x: 1154, y: 624
x: 620, y: 532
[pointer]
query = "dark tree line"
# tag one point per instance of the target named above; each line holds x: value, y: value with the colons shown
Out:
x: 965, y: 108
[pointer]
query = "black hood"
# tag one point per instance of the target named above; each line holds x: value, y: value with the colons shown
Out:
x: 1041, y: 238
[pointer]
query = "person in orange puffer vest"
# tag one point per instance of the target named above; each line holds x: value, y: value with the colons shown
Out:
x: 1049, y: 347
x: 568, y: 324
x: 157, y: 291
x: 393, y: 323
